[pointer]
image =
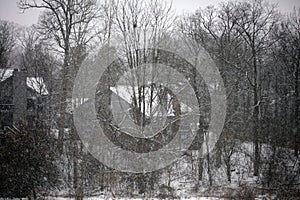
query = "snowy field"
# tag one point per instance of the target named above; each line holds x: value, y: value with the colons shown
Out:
x: 183, y: 181
x: 102, y: 198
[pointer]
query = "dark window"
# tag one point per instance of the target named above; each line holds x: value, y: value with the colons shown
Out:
x: 30, y: 104
x: 6, y: 112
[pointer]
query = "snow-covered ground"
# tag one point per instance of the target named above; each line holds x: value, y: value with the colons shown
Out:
x: 180, y: 179
x: 260, y: 197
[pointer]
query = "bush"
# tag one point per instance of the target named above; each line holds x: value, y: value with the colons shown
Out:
x: 27, y: 162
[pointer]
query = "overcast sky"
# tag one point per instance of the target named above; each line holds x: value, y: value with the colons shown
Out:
x: 9, y: 10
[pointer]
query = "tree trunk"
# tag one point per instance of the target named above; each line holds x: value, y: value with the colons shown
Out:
x: 256, y: 115
x: 218, y: 156
x: 63, y: 100
x: 208, y: 169
x: 228, y: 170
x: 208, y: 159
x: 200, y: 166
x: 297, y: 105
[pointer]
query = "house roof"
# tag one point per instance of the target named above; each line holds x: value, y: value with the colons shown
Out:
x: 35, y: 83
x: 5, y: 74
x: 126, y: 93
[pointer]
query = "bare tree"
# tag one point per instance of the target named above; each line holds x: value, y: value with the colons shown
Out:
x: 255, y: 21
x: 70, y: 24
x: 287, y: 54
x: 7, y: 43
x: 133, y: 26
x: 215, y: 29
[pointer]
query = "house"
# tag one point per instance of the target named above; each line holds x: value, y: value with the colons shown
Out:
x: 156, y: 113
x: 21, y: 97
x: 121, y: 100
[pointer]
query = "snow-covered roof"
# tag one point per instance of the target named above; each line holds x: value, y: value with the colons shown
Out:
x: 5, y: 74
x: 35, y: 83
x: 126, y: 93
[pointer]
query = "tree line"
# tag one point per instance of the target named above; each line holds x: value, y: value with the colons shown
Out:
x: 255, y: 47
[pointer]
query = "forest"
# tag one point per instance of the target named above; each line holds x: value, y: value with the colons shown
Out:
x: 130, y: 100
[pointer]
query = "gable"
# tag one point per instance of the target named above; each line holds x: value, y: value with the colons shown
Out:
x: 36, y: 84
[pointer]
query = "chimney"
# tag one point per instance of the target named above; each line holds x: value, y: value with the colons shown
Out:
x: 19, y: 93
